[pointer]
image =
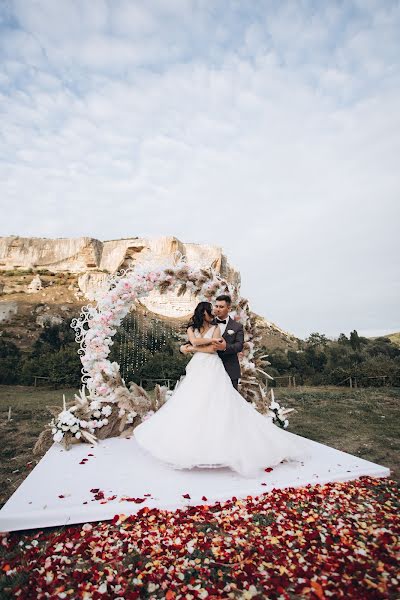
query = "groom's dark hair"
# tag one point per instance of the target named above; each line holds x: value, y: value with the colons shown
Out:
x: 224, y: 298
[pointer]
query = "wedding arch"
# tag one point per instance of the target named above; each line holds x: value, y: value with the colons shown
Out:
x: 106, y: 406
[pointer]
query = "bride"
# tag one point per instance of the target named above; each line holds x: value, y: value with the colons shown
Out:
x: 207, y: 423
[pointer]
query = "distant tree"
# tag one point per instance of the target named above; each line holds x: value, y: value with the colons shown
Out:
x: 64, y: 367
x: 48, y: 341
x: 163, y: 366
x: 298, y: 362
x: 379, y: 371
x: 34, y: 365
x: 301, y: 344
x: 355, y: 340
x: 343, y: 339
x: 339, y: 355
x: 54, y: 337
x: 382, y: 345
x: 315, y: 358
x: 339, y: 375
x: 316, y: 340
x: 279, y: 361
x: 10, y: 362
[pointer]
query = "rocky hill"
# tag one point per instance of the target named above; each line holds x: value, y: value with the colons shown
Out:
x: 393, y: 337
x: 46, y: 280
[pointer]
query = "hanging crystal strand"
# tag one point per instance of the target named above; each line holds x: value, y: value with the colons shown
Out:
x: 143, y: 342
x: 126, y: 368
x: 124, y: 348
x: 133, y: 342
x: 154, y: 340
x: 127, y: 344
x: 173, y: 332
x: 159, y: 335
x: 123, y: 325
x: 156, y: 335
x: 138, y: 334
x: 163, y: 339
x: 150, y: 334
x: 136, y: 341
x: 139, y: 338
x: 120, y: 336
x: 146, y: 337
x: 121, y: 348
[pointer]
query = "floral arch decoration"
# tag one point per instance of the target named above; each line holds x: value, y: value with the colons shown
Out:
x: 108, y: 408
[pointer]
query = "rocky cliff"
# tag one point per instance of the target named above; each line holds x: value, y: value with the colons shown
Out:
x: 44, y: 279
x: 81, y: 255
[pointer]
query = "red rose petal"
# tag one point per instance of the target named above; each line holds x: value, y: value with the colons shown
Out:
x: 334, y: 539
x: 137, y: 500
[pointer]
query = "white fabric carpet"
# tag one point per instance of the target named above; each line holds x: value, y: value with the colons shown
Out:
x: 119, y: 468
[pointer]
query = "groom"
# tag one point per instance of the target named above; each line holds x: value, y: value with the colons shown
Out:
x: 232, y: 339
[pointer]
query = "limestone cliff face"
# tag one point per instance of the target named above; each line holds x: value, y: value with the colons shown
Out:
x: 93, y: 260
x: 62, y: 254
x: 79, y: 255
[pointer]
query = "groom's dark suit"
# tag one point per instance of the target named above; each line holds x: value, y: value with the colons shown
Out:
x: 234, y: 337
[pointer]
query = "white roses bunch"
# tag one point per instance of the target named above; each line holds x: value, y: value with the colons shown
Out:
x: 278, y: 412
x: 130, y: 417
x: 66, y: 421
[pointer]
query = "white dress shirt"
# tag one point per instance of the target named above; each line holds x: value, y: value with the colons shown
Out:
x: 223, y: 326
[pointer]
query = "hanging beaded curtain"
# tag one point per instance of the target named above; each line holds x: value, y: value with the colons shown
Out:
x: 140, y: 335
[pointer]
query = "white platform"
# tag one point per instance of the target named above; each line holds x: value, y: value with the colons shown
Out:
x: 120, y: 468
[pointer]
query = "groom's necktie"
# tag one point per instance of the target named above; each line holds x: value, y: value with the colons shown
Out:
x: 221, y: 321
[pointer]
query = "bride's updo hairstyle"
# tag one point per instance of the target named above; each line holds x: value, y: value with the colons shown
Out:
x: 197, y: 318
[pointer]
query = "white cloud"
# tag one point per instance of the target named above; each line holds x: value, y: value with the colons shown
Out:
x: 273, y: 133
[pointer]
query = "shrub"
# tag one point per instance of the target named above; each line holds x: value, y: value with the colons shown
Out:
x: 10, y: 362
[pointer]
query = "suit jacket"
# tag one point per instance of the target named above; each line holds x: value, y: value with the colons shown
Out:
x: 234, y: 345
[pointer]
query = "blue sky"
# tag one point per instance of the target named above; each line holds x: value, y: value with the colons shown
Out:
x: 271, y: 129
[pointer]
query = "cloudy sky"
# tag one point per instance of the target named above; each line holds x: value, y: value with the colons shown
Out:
x: 269, y: 128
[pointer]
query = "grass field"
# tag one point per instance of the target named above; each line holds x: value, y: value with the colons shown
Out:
x: 363, y: 422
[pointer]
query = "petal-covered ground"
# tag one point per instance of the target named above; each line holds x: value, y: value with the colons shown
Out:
x: 339, y: 540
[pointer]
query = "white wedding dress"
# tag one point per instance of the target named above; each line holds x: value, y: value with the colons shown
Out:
x: 207, y: 423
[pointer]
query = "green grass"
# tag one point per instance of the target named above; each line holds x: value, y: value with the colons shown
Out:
x: 363, y: 422
x: 29, y: 416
